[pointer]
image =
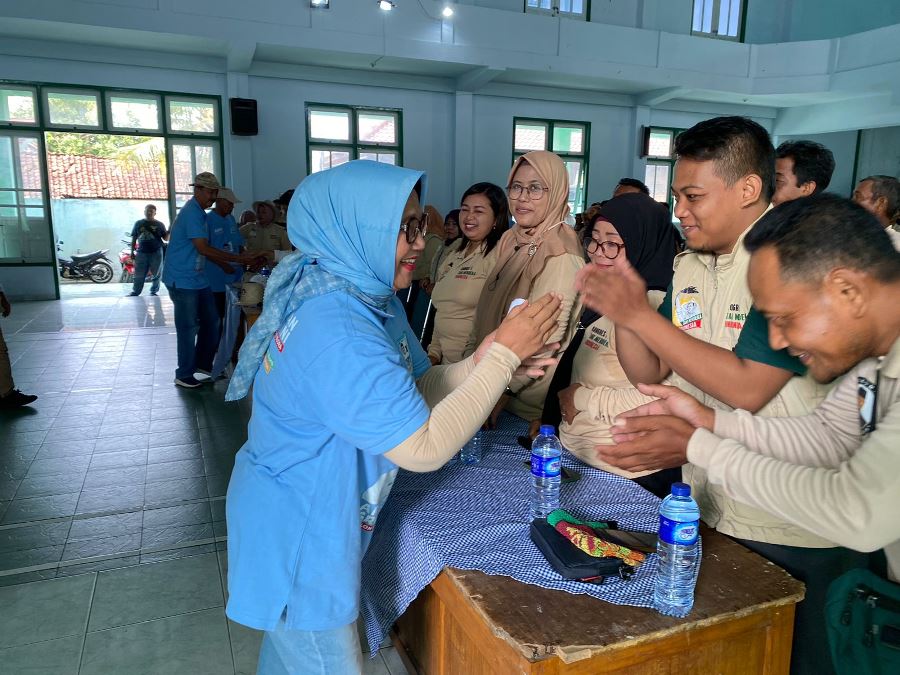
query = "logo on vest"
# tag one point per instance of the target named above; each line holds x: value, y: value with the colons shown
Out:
x: 735, y: 318
x: 686, y: 312
x: 598, y: 337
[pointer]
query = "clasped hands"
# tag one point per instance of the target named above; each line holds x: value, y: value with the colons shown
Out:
x: 655, y: 435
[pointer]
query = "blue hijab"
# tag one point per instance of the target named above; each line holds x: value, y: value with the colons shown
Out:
x: 346, y: 221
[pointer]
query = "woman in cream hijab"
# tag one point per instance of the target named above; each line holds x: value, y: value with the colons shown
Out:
x: 541, y: 253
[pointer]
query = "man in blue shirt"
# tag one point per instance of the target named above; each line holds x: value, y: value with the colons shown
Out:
x: 196, y: 320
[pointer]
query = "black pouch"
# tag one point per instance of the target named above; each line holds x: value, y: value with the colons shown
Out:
x: 570, y: 561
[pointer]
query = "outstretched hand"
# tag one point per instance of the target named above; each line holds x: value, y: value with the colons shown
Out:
x: 652, y: 442
x: 617, y: 292
x: 526, y: 329
x: 670, y: 401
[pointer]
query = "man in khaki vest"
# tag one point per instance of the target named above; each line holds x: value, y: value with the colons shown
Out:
x: 265, y: 236
x: 712, y: 344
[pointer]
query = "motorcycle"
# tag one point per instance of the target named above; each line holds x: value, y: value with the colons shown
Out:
x: 94, y: 266
x: 126, y: 260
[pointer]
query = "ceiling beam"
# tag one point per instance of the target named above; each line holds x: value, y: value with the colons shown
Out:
x: 475, y: 79
x: 240, y: 56
x: 657, y: 96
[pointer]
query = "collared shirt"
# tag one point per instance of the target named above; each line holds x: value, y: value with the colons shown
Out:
x: 265, y: 239
x: 223, y: 235
x: 184, y: 266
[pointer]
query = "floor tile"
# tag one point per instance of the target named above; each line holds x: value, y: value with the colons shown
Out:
x: 194, y: 643
x: 374, y: 665
x: 174, y: 453
x: 66, y: 448
x: 106, y: 526
x: 245, y: 644
x: 19, y: 578
x: 177, y: 437
x: 112, y: 563
x: 217, y: 486
x: 45, y: 610
x: 58, y: 465
x: 55, y: 484
x: 34, y: 536
x: 169, y: 537
x: 103, y: 546
x: 169, y: 492
x: 40, y: 508
x: 157, y: 590
x: 177, y: 553
x: 393, y: 661
x: 176, y: 516
x: 14, y: 467
x: 25, y: 558
x: 54, y: 657
x: 8, y: 488
x: 110, y: 499
x: 128, y: 475
x: 122, y: 443
x: 185, y: 468
x: 112, y: 460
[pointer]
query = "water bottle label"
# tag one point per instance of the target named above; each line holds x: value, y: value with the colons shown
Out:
x: 672, y: 532
x: 545, y: 467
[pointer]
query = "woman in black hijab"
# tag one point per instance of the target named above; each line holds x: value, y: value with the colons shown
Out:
x: 589, y: 387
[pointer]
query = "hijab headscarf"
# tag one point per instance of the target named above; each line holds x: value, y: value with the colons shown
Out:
x: 522, y: 253
x: 344, y: 223
x: 649, y: 237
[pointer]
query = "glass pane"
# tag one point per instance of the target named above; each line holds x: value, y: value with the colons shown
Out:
x: 707, y: 15
x: 575, y: 169
x: 734, y: 16
x: 7, y: 170
x: 29, y: 163
x: 204, y: 159
x: 656, y: 176
x: 660, y: 144
x: 568, y: 139
x: 17, y: 105
x: 73, y: 109
x: 329, y: 125
x: 383, y: 157
x: 577, y: 7
x: 530, y: 136
x: 24, y: 227
x: 134, y: 113
x: 326, y: 159
x: 192, y: 116
x: 377, y: 128
x: 182, y: 167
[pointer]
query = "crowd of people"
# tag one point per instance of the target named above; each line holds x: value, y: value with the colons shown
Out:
x: 760, y: 364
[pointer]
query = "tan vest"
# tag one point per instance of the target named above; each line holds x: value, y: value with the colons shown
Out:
x: 264, y: 240
x: 710, y: 301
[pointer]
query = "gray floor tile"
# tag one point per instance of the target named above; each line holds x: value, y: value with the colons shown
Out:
x: 245, y: 644
x: 113, y: 563
x: 168, y: 537
x: 185, y: 468
x: 217, y: 485
x: 14, y: 467
x: 393, y: 661
x: 177, y: 553
x: 173, y: 424
x: 217, y: 507
x: 3, y: 505
x: 40, y: 508
x: 27, y: 577
x: 103, y: 546
x: 106, y: 526
x: 58, y: 465
x: 163, y: 412
x: 194, y: 643
x: 178, y: 437
x: 374, y: 665
x: 56, y: 484
x: 25, y: 558
x: 157, y: 590
x: 122, y: 443
x: 34, y: 536
x: 66, y: 448
x: 218, y: 463
x: 45, y: 610
x: 54, y: 657
x: 172, y: 491
x: 8, y: 488
x: 112, y: 460
x: 174, y: 453
x: 175, y: 516
x: 82, y: 432
x: 111, y: 498
x: 128, y: 475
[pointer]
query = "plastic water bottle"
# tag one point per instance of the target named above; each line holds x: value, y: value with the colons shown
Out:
x: 471, y: 451
x: 545, y: 472
x: 679, y: 552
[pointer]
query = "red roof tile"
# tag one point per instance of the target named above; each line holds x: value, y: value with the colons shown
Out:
x: 86, y: 177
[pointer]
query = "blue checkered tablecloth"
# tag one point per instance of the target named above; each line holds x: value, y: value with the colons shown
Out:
x: 477, y: 518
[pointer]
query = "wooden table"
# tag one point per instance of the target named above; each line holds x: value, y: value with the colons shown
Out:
x: 469, y: 623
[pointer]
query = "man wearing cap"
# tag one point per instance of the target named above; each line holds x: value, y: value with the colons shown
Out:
x: 196, y: 320
x: 282, y: 203
x: 224, y: 236
x: 265, y: 236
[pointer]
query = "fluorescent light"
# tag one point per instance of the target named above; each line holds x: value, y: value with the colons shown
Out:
x: 320, y: 4
x: 386, y: 5
x: 447, y: 12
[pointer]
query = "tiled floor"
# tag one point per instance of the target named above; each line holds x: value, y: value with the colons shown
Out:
x: 112, y: 512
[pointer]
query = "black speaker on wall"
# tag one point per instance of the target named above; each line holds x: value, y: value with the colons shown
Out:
x: 243, y: 116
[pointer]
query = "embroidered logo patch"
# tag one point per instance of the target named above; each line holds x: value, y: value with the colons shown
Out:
x: 599, y: 337
x: 279, y: 344
x: 268, y: 363
x: 686, y: 312
x: 735, y: 318
x: 866, y: 398
x: 405, y: 353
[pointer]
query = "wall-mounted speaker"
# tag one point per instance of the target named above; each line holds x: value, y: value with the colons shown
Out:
x: 243, y: 116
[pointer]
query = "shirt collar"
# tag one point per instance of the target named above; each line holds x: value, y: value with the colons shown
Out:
x: 890, y: 365
x: 726, y: 260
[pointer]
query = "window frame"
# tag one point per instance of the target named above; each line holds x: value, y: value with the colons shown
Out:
x: 659, y: 160
x: 742, y: 22
x: 554, y: 11
x: 583, y: 156
x: 108, y: 97
x: 36, y: 105
x: 45, y: 93
x: 354, y: 146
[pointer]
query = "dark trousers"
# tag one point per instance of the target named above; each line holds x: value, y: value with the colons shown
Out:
x: 817, y: 568
x: 196, y: 327
x: 660, y: 483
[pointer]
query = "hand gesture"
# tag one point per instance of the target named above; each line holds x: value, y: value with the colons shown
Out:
x: 526, y: 329
x: 618, y: 292
x: 670, y: 401
x: 652, y: 442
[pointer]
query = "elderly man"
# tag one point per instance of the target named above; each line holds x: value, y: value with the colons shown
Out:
x: 265, y: 236
x: 196, y: 320
x: 880, y: 195
x: 147, y: 237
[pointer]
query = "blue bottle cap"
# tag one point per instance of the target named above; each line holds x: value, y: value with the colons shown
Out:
x: 547, y: 430
x: 681, y: 489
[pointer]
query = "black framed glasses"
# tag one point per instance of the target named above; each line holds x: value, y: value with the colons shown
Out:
x: 413, y: 227
x: 535, y: 191
x: 610, y: 249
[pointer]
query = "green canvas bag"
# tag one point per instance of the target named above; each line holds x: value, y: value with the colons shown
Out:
x: 862, y: 613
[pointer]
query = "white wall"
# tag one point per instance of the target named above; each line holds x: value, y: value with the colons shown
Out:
x: 879, y: 152
x: 843, y: 145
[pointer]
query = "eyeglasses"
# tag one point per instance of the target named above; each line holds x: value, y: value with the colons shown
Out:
x: 610, y: 249
x: 535, y: 191
x: 414, y: 227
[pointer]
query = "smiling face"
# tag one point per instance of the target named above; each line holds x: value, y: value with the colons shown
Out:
x: 407, y: 254
x: 528, y: 212
x: 605, y: 231
x: 205, y: 196
x: 711, y: 212
x: 818, y: 323
x: 476, y: 217
x: 786, y: 188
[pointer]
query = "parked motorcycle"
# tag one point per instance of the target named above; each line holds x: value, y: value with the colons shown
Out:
x: 126, y: 260
x: 94, y: 266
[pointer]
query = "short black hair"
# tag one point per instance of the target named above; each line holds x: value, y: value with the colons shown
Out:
x: 812, y: 162
x: 813, y: 235
x: 285, y: 197
x: 738, y: 146
x: 889, y: 188
x: 635, y: 183
x: 496, y: 196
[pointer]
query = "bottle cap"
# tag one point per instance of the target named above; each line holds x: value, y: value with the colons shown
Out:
x: 681, y: 489
x: 547, y: 430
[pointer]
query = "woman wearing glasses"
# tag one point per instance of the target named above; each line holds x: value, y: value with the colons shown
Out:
x: 483, y: 219
x: 589, y: 387
x: 344, y: 397
x: 541, y: 253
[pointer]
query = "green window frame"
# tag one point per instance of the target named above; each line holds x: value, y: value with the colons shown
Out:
x: 534, y: 133
x: 719, y: 19
x: 349, y: 132
x: 660, y: 154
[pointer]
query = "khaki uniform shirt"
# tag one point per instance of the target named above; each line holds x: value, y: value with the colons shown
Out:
x: 710, y: 300
x: 265, y: 240
x: 433, y: 244
x: 458, y: 285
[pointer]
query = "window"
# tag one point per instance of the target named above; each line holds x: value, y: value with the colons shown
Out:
x: 718, y: 18
x: 337, y: 134
x: 569, y: 140
x: 73, y: 109
x: 134, y: 112
x: 187, y: 158
x: 192, y: 116
x: 570, y: 8
x: 17, y: 105
x: 659, y: 149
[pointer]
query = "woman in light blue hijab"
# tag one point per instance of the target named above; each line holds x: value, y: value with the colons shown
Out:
x: 344, y: 396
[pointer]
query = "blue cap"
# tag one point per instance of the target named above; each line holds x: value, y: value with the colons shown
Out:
x: 681, y: 489
x: 547, y: 430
